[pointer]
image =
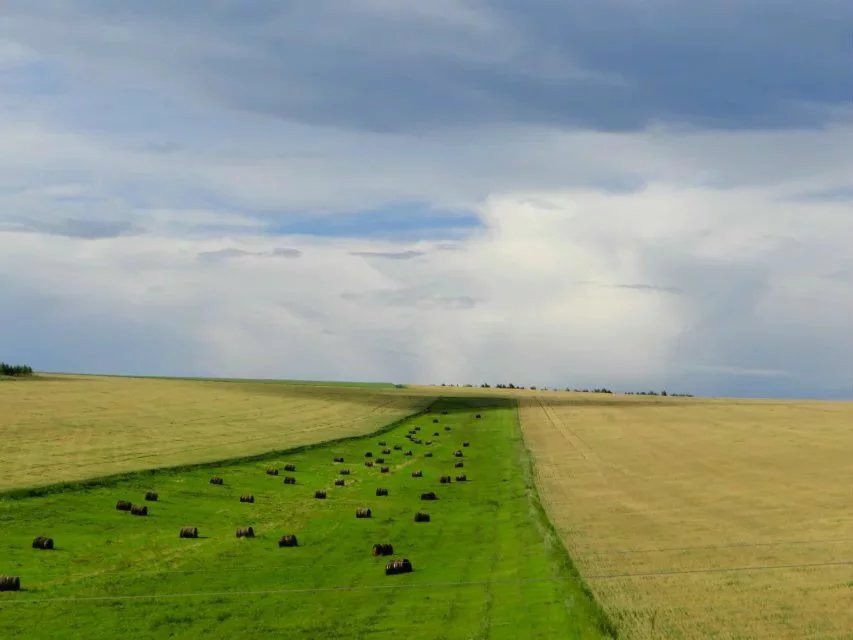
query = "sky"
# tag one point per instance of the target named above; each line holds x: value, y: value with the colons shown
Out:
x: 563, y: 193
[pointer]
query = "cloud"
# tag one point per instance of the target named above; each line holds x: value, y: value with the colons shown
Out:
x: 390, y: 255
x: 225, y: 254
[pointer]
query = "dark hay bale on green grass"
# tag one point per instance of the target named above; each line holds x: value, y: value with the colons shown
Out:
x: 436, y: 434
x: 189, y: 532
x: 418, y: 441
x: 459, y: 464
x: 395, y: 567
x: 428, y: 454
x: 385, y: 469
x: 381, y: 443
x: 339, y: 459
x: 368, y: 454
x: 289, y: 480
x: 466, y: 444
x: 10, y: 583
x: 447, y: 428
x: 478, y: 416
x: 288, y: 541
x: 380, y: 460
x: 368, y: 463
x: 123, y: 505
x: 290, y: 467
x: 398, y: 447
x: 139, y: 510
x: 429, y: 495
x: 386, y: 452
x: 216, y: 480
x: 457, y: 453
x: 344, y: 472
x: 418, y: 474
x: 444, y: 479
x: 381, y: 491
x: 462, y: 478
x: 420, y: 516
x: 435, y: 420
x: 245, y: 532
x: 408, y: 453
x: 383, y: 549
x: 247, y: 498
x: 444, y: 413
x: 320, y: 495
x: 272, y: 472
x: 417, y: 428
x: 339, y: 482
x: 429, y: 442
x: 151, y: 496
x: 43, y: 543
x: 363, y: 513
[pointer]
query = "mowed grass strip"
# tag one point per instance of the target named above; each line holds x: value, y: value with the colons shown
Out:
x: 69, y: 428
x: 485, y: 566
x: 697, y: 518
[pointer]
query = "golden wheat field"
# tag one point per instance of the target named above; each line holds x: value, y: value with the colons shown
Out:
x: 65, y: 428
x: 694, y: 518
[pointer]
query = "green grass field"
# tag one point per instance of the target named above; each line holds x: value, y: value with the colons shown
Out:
x: 488, y: 565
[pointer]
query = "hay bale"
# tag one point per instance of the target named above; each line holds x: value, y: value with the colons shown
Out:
x: 381, y: 443
x: 444, y: 480
x: 247, y: 498
x: 444, y: 412
x: 385, y: 469
x: 457, y: 453
x: 320, y: 495
x: 189, y: 532
x: 386, y: 452
x: 362, y: 513
x: 478, y: 416
x: 216, y: 480
x: 381, y: 491
x: 368, y: 463
x: 408, y: 453
x: 429, y: 442
x: 418, y: 474
x: 380, y: 460
x: 151, y: 496
x: 289, y: 480
x: 272, y: 472
x: 288, y: 541
x: 462, y: 478
x: 368, y: 454
x: 245, y: 532
x: 459, y: 464
x: 418, y: 441
x: 435, y: 420
x: 417, y: 428
x: 339, y: 459
x: 10, y: 583
x: 123, y: 505
x: 466, y: 444
x: 447, y: 428
x: 398, y: 447
x: 344, y: 472
x: 428, y: 454
x: 436, y: 434
x: 139, y: 510
x: 290, y: 467
x: 420, y: 516
x: 396, y: 567
x: 43, y: 543
x: 339, y: 482
x: 429, y: 495
x: 383, y: 549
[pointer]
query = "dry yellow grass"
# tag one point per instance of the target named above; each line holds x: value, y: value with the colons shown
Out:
x: 703, y: 518
x: 63, y: 428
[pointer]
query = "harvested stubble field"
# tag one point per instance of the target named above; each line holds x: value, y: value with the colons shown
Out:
x: 487, y: 565
x: 696, y: 518
x: 61, y: 428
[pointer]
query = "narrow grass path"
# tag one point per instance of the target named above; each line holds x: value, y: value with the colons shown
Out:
x: 484, y: 567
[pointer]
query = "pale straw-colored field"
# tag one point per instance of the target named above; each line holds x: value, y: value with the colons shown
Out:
x: 65, y: 428
x: 694, y: 518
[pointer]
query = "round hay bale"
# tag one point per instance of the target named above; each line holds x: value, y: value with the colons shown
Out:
x: 380, y: 460
x: 429, y: 495
x: 272, y: 471
x: 123, y: 505
x: 368, y: 454
x: 368, y: 463
x: 339, y: 482
x: 247, y: 498
x: 289, y: 480
x: 10, y: 583
x: 44, y: 543
x: 344, y: 472
x: 462, y: 478
x: 386, y: 452
x: 290, y: 467
x: 428, y: 454
x: 381, y: 491
x: 396, y: 567
x: 435, y: 420
x: 478, y: 416
x: 245, y: 532
x: 444, y: 480
x: 418, y: 474
x: 339, y: 459
x: 383, y: 549
x: 420, y: 516
x: 216, y: 480
x: 398, y: 447
x: 466, y: 444
x: 381, y: 443
x: 189, y: 532
x: 151, y: 496
x: 457, y: 453
x: 385, y: 469
x: 363, y: 513
x: 436, y: 434
x: 408, y: 453
x: 429, y: 442
x: 444, y: 412
x: 447, y: 428
x: 139, y: 510
x: 320, y: 495
x: 417, y: 428
x: 459, y: 464
x: 288, y: 541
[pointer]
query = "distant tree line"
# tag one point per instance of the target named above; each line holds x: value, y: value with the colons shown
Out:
x: 510, y: 385
x: 15, y: 369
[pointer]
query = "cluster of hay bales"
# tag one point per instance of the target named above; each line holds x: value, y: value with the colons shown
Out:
x: 429, y: 495
x: 43, y: 543
x: 189, y: 532
x: 247, y: 498
x: 417, y: 474
x: 420, y: 516
x: 461, y: 478
x: 320, y: 495
x: 290, y: 467
x: 394, y: 567
x: 381, y: 491
x: 383, y: 549
x: 216, y: 480
x: 139, y: 510
x: 289, y: 480
x: 444, y: 480
x: 272, y: 471
x: 362, y: 513
x: 151, y: 496
x: 123, y: 505
x: 10, y: 583
x: 245, y: 532
x: 288, y: 541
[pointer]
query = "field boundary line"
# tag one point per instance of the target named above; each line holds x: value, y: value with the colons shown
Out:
x: 679, y: 572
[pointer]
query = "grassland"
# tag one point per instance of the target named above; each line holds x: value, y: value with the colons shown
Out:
x: 486, y: 566
x: 698, y: 518
x: 66, y: 428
